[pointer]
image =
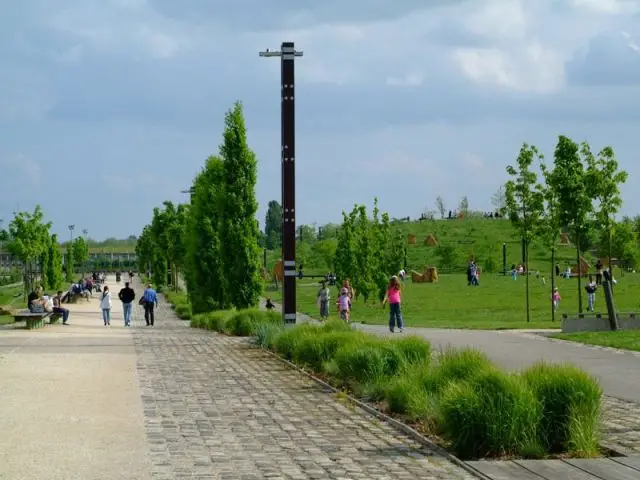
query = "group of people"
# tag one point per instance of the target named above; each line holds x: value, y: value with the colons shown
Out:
x: 345, y: 298
x: 127, y: 295
x: 40, y: 302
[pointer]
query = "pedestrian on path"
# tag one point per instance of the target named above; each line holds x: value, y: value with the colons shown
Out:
x: 57, y: 308
x: 591, y: 294
x: 105, y: 305
x: 323, y: 301
x: 393, y: 298
x: 127, y: 296
x: 150, y: 301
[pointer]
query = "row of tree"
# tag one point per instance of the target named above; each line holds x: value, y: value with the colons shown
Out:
x: 213, y: 243
x: 579, y: 192
x: 29, y: 239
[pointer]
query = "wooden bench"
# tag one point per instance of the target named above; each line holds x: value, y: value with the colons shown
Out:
x: 33, y: 320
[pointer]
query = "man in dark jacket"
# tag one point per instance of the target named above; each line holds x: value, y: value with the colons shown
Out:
x: 127, y: 296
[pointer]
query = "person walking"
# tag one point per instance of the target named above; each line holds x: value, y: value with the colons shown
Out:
x: 591, y: 294
x: 150, y: 301
x: 323, y: 301
x: 393, y: 298
x: 127, y: 296
x: 105, y: 305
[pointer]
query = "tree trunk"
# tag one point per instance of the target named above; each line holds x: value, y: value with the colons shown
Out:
x: 579, y: 271
x: 526, y: 272
x: 553, y: 281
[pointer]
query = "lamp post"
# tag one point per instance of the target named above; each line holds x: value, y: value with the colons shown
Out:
x: 287, y: 55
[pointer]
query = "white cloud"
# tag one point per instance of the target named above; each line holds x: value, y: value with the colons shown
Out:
x: 409, y: 80
x: 28, y: 169
x: 611, y: 7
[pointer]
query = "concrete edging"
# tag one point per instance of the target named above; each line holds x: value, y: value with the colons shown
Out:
x: 403, y: 427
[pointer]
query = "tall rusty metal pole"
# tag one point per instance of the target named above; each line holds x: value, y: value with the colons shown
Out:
x: 287, y: 56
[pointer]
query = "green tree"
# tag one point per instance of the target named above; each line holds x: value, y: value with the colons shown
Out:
x: 273, y: 226
x: 29, y: 237
x: 524, y: 204
x: 53, y: 266
x: 80, y: 253
x: 367, y: 254
x: 241, y: 255
x: 144, y: 250
x: 604, y: 180
x: 440, y: 206
x: 569, y: 179
x: 548, y: 227
x: 623, y: 245
x: 160, y: 246
x: 69, y: 263
x: 345, y: 261
x: 464, y: 206
x: 203, y: 263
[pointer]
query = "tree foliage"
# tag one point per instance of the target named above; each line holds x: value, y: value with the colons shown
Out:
x: 368, y: 251
x: 239, y: 230
x: 80, y: 252
x: 440, y: 206
x: 273, y: 226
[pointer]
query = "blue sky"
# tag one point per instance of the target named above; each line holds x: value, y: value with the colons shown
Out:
x: 109, y: 107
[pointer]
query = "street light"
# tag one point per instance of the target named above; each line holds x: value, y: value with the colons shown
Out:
x: 287, y: 55
x: 71, y: 228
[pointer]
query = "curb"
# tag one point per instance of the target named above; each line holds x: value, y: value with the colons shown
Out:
x: 403, y: 427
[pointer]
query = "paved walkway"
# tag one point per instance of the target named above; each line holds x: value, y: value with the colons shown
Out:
x: 169, y: 402
x: 70, y: 406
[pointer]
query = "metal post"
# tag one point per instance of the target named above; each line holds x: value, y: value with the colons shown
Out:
x: 287, y: 59
x: 504, y: 259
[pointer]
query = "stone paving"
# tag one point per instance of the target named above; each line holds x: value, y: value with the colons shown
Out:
x: 217, y: 408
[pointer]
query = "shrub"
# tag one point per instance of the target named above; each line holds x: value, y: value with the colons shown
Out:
x: 318, y: 347
x: 267, y: 333
x: 413, y: 349
x: 243, y: 322
x: 198, y: 321
x: 454, y: 365
x: 287, y: 342
x: 366, y: 361
x: 405, y: 394
x: 217, y: 320
x: 570, y: 401
x: 183, y: 310
x: 492, y: 414
x: 336, y: 326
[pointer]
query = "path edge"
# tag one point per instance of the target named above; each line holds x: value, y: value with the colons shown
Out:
x: 403, y: 427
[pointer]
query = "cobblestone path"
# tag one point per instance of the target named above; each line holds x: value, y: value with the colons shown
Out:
x: 217, y: 408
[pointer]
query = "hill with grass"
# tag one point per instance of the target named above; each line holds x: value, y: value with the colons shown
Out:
x: 446, y: 244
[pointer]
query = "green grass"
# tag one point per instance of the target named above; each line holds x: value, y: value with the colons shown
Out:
x: 498, y: 303
x: 487, y: 235
x: 623, y: 339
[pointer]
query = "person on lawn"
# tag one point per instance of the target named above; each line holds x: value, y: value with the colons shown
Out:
x: 344, y: 304
x: 392, y: 297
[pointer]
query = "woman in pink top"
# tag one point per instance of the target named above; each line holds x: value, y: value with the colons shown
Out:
x: 393, y: 298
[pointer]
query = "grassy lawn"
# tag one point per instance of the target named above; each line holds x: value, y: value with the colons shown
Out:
x: 7, y: 297
x: 627, y: 340
x: 498, y: 303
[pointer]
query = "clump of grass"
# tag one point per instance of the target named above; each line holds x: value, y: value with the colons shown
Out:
x: 289, y: 340
x: 413, y: 349
x: 316, y: 348
x: 243, y: 323
x: 570, y: 400
x: 406, y: 394
x: 183, y: 310
x: 215, y: 321
x: 267, y: 333
x: 493, y: 414
x: 455, y: 365
x: 368, y: 361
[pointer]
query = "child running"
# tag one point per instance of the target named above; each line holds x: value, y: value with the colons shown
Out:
x: 393, y: 298
x: 344, y: 304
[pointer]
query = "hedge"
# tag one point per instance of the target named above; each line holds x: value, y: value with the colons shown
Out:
x: 457, y: 396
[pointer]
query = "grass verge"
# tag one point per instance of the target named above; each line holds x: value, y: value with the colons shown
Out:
x: 623, y: 339
x: 457, y: 397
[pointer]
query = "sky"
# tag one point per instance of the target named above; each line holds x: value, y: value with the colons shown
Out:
x: 109, y: 107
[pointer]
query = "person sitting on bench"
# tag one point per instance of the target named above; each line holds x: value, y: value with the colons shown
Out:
x: 57, y: 308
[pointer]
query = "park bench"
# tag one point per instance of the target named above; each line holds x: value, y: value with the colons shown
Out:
x: 35, y: 320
